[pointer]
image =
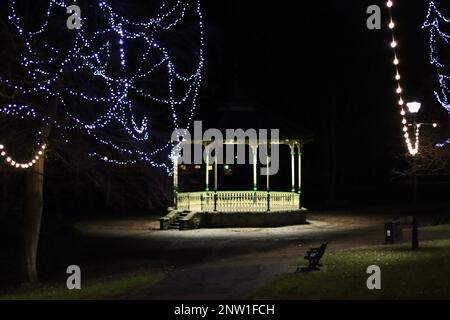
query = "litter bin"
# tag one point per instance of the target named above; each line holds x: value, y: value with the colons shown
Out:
x: 393, y: 232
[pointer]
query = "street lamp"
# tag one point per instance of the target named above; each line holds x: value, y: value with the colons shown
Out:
x: 414, y: 108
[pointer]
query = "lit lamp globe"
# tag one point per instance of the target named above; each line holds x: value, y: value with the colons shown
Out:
x: 414, y: 107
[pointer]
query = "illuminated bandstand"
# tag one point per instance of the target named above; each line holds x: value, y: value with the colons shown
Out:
x: 214, y: 208
x: 215, y: 200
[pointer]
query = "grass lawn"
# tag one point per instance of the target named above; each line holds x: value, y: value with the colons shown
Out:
x: 405, y: 274
x: 432, y: 228
x: 437, y: 228
x: 113, y: 286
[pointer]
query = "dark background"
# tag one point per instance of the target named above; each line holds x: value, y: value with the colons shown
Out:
x: 313, y: 69
x: 309, y: 68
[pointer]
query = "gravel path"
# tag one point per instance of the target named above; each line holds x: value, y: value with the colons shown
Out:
x: 230, y: 263
x: 227, y: 263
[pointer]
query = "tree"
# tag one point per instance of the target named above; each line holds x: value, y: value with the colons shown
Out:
x: 101, y: 86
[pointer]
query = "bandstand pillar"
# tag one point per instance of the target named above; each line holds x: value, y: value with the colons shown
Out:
x: 215, y: 185
x: 292, y: 146
x: 207, y: 169
x: 215, y: 175
x: 175, y: 182
x: 255, y: 166
x: 268, y: 176
x: 299, y: 158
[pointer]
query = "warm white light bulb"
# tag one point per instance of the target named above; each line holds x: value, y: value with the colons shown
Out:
x: 393, y: 44
x: 396, y: 61
x: 414, y: 107
x: 391, y: 25
x: 389, y: 4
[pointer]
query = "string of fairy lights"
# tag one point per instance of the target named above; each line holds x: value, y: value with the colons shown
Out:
x: 413, y: 147
x: 96, y: 53
x: 22, y: 165
x: 438, y: 38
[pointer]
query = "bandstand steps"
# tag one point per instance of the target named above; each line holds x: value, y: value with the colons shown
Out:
x: 176, y: 225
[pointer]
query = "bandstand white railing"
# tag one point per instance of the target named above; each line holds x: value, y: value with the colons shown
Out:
x: 238, y: 201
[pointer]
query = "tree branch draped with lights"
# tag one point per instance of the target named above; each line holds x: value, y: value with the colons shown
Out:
x: 436, y: 22
x: 439, y: 42
x: 121, y: 83
x: 108, y: 78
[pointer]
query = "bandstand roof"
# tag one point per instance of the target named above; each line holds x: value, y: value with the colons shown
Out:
x: 248, y: 141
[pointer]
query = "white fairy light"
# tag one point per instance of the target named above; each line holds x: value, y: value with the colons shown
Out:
x: 412, y: 149
x: 21, y: 165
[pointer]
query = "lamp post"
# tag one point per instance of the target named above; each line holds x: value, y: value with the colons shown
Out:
x: 413, y: 108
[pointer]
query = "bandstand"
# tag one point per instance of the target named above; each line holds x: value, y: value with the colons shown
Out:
x: 212, y: 199
x: 215, y: 208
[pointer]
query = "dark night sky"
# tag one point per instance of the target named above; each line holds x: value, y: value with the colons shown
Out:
x: 312, y: 67
x: 298, y: 57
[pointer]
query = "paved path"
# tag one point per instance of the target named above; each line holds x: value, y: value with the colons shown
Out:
x: 229, y: 263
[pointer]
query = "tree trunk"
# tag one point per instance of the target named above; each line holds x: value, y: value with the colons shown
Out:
x: 108, y: 192
x: 33, y: 205
x: 4, y: 197
x: 415, y: 233
x: 31, y: 222
x: 333, y: 196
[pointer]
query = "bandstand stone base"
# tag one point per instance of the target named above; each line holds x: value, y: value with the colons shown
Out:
x: 186, y: 220
x: 251, y: 219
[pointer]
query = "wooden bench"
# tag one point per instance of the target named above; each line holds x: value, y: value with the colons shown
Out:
x: 313, y: 256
